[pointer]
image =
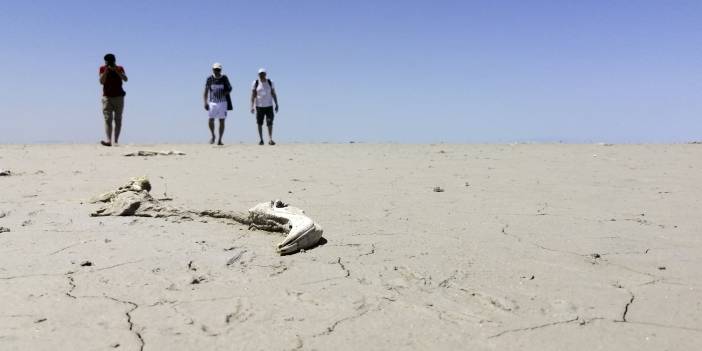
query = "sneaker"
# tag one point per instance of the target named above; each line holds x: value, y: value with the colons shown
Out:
x: 260, y: 142
x: 271, y: 142
x: 105, y: 143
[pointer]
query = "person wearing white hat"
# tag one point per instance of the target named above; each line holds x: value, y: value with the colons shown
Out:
x: 262, y: 98
x: 217, y: 100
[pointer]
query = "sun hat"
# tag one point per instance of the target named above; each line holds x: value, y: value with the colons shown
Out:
x: 261, y: 70
x: 217, y: 65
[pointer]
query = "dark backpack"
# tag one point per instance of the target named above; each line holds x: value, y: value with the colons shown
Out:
x: 270, y: 82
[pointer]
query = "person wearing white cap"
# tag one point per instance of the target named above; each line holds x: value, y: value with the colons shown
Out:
x: 262, y: 98
x: 217, y: 100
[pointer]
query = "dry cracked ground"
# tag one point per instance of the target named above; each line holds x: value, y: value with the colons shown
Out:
x: 528, y: 247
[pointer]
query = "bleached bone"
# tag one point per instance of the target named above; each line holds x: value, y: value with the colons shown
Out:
x: 133, y: 199
x: 156, y: 153
x: 302, y: 233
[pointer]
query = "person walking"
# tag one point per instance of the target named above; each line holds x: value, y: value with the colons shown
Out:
x: 262, y: 98
x: 217, y: 100
x: 111, y: 78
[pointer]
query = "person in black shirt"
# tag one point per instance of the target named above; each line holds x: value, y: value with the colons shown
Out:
x: 217, y: 100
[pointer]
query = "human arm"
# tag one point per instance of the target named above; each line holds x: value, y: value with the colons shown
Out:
x: 253, y: 100
x: 121, y: 73
x: 227, y: 86
x: 275, y: 97
x: 204, y: 97
x: 104, y: 70
x: 103, y: 74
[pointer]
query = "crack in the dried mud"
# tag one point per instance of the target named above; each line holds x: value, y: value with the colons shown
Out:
x: 72, y: 273
x: 348, y: 272
x: 330, y: 329
x: 372, y: 251
x: 115, y: 266
x: 626, y: 307
x: 532, y: 328
x: 70, y: 246
x: 72, y: 287
x: 134, y: 306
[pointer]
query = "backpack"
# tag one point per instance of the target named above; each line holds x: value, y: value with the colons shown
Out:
x: 270, y: 82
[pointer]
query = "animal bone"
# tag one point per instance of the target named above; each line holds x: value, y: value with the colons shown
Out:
x: 302, y: 232
x: 155, y: 153
x: 133, y: 199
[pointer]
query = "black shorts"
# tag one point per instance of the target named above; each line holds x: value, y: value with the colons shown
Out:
x: 264, y: 112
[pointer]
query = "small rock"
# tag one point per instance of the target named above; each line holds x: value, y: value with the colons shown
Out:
x: 467, y: 184
x: 115, y: 345
x: 661, y: 268
x: 86, y: 264
x: 595, y: 255
x: 438, y: 189
x: 40, y: 320
x: 4, y: 230
x: 5, y: 173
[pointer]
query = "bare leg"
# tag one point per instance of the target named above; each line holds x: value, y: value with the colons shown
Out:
x: 211, y: 124
x: 108, y: 129
x: 118, y: 129
x: 270, y: 135
x: 260, y: 134
x: 107, y: 111
x: 118, y: 106
x: 221, y: 131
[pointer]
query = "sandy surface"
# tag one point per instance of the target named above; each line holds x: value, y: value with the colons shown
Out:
x: 529, y: 247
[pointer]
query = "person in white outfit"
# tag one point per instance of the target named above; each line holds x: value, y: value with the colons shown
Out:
x: 262, y: 98
x: 217, y: 100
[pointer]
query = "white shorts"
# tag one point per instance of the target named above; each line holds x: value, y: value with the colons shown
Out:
x: 217, y: 110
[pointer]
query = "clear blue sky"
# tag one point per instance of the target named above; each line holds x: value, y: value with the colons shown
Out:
x: 373, y: 71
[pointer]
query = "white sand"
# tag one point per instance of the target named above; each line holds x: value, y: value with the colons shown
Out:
x: 501, y: 260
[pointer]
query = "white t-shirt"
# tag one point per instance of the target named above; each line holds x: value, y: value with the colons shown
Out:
x: 264, y: 97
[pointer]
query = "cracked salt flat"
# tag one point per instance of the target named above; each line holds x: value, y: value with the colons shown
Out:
x: 506, y: 263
